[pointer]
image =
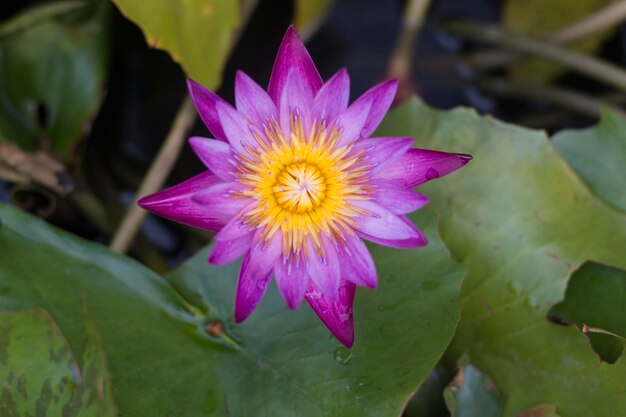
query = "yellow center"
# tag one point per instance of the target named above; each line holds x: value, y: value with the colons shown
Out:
x: 303, y: 186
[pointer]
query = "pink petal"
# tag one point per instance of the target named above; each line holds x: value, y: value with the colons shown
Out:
x: 215, y: 155
x: 252, y: 101
x: 295, y: 99
x: 357, y: 264
x: 396, y: 197
x: 336, y: 313
x: 255, y: 274
x: 236, y: 128
x: 176, y: 203
x: 418, y: 166
x: 324, y: 271
x: 388, y: 229
x: 205, y: 101
x: 236, y: 227
x: 222, y: 198
x: 381, y: 152
x: 333, y: 97
x: 381, y: 96
x: 292, y: 280
x: 224, y: 252
x: 352, y: 120
x: 292, y: 55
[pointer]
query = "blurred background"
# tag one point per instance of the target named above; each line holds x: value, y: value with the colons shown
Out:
x: 75, y: 148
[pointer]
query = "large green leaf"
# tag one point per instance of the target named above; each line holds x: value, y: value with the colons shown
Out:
x: 53, y: 61
x: 591, y: 283
x: 39, y: 373
x: 521, y: 222
x: 196, y: 33
x: 598, y: 155
x: 279, y: 362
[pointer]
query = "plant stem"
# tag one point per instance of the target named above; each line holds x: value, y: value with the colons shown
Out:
x: 168, y: 154
x: 564, y: 98
x: 603, y: 19
x: 594, y: 68
x: 402, y: 56
x: 156, y: 176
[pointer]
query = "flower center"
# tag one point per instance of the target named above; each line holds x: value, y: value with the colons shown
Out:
x: 300, y: 187
x: 303, y: 185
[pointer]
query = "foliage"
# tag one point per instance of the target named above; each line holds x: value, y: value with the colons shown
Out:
x: 520, y: 222
x: 39, y: 372
x: 173, y: 346
x: 196, y: 33
x: 53, y: 61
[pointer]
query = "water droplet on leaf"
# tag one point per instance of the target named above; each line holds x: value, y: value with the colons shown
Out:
x: 342, y: 355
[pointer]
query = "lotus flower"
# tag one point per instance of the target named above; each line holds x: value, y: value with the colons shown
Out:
x: 294, y: 183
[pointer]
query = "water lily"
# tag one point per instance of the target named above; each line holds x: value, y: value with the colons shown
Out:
x: 294, y: 183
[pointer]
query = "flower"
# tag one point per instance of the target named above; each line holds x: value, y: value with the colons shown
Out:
x: 294, y: 184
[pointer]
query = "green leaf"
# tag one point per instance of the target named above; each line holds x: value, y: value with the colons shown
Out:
x: 539, y: 18
x: 520, y: 221
x: 473, y: 394
x: 40, y: 375
x: 596, y: 297
x: 169, y: 356
x: 598, y: 156
x: 53, y: 62
x: 196, y: 33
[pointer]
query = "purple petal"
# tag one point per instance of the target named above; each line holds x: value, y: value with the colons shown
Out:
x: 381, y: 96
x: 205, y: 101
x: 333, y: 97
x: 352, y: 120
x: 215, y: 155
x: 236, y: 128
x: 324, y: 271
x: 236, y: 227
x: 388, y: 229
x: 292, y: 280
x: 222, y: 198
x: 357, y: 264
x: 224, y: 252
x: 295, y: 98
x: 418, y: 166
x: 252, y: 101
x: 396, y: 197
x: 176, y: 203
x: 292, y: 55
x: 381, y: 152
x: 255, y: 274
x: 336, y: 313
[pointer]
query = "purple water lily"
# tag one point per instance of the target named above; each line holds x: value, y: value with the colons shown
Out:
x: 295, y: 183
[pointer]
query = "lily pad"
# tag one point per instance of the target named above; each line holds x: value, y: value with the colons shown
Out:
x: 596, y: 298
x: 521, y: 222
x: 174, y: 350
x: 39, y: 372
x: 598, y: 155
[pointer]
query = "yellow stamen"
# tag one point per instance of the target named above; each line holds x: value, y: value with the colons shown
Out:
x: 303, y: 185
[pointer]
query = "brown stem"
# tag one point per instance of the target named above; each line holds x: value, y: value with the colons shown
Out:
x: 605, y: 18
x: 156, y: 176
x: 592, y: 67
